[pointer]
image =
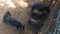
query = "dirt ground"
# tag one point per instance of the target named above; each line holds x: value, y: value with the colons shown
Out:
x: 19, y: 13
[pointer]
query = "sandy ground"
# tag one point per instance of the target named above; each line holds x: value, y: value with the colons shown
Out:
x: 20, y: 14
x: 5, y: 28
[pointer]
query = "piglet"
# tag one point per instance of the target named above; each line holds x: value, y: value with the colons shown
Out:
x: 8, y: 19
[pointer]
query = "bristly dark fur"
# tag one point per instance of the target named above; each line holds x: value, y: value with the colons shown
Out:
x: 39, y: 12
x: 42, y: 8
x: 8, y: 19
